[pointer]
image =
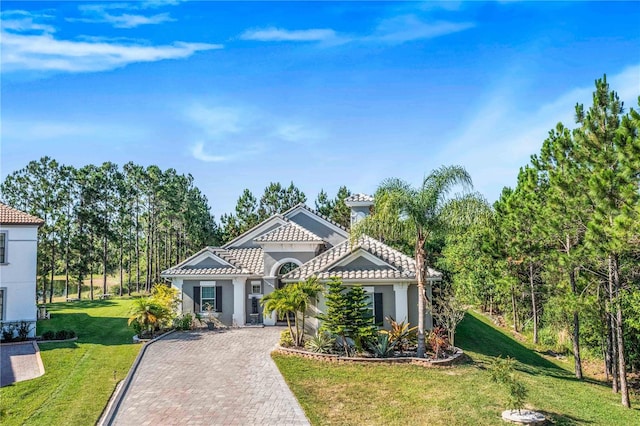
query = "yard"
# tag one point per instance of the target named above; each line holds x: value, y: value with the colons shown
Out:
x: 80, y: 376
x: 381, y: 394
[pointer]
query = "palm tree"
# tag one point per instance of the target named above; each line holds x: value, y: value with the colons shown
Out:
x: 292, y: 298
x: 414, y: 215
x: 147, y: 313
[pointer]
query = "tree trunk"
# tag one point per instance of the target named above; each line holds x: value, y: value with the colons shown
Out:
x: 576, y: 329
x: 622, y: 365
x: 105, y: 255
x: 53, y: 270
x: 612, y: 331
x: 66, y: 269
x: 137, y: 248
x: 420, y: 261
x: 121, y: 266
x: 534, y: 306
x: 514, y: 308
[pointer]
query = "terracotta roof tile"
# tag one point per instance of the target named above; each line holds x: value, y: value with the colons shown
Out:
x: 11, y: 216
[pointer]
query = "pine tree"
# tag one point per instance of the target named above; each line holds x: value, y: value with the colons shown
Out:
x: 336, y: 318
x: 361, y: 328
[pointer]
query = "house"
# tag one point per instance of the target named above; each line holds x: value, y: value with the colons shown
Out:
x: 290, y: 247
x: 18, y: 266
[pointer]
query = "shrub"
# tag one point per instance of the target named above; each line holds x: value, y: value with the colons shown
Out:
x: 61, y: 335
x: 147, y: 315
x: 48, y: 335
x: 24, y: 328
x: 439, y: 341
x: 401, y: 334
x: 7, y: 332
x: 184, y: 322
x: 285, y: 339
x: 71, y: 334
x: 382, y: 347
x: 321, y: 343
x: 502, y: 371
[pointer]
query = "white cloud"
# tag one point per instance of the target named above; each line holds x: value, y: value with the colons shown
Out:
x: 198, y: 153
x: 280, y: 34
x: 215, y: 122
x: 501, y: 136
x: 28, y: 45
x: 101, y: 13
x: 292, y: 132
x: 397, y: 30
x: 401, y: 29
x: 236, y: 132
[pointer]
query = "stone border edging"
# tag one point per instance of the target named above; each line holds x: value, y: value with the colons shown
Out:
x: 106, y: 418
x: 73, y: 339
x: 453, y: 359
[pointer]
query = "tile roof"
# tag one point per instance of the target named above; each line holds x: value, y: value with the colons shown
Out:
x: 359, y: 198
x: 405, y: 267
x: 291, y: 232
x: 11, y: 216
x: 251, y: 258
x: 309, y: 209
x: 244, y: 261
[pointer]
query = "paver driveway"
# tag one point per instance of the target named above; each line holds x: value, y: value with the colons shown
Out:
x: 209, y: 378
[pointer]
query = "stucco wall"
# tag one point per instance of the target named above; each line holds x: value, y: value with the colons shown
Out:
x: 413, y: 306
x: 227, y: 298
x: 273, y: 258
x: 18, y: 274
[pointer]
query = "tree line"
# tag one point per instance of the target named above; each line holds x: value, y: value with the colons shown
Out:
x: 559, y: 254
x: 103, y: 220
x: 132, y: 221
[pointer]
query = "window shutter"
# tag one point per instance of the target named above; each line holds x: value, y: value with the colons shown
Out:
x: 196, y: 299
x: 377, y: 308
x: 218, y: 299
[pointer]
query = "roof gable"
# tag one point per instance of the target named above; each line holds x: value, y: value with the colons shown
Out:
x: 335, y: 263
x: 329, y: 231
x: 289, y: 233
x: 246, y: 239
x: 361, y: 260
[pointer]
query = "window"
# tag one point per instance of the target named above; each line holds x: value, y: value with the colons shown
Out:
x: 2, y: 292
x: 3, y: 247
x: 375, y: 305
x: 287, y: 267
x: 256, y: 287
x: 208, y: 298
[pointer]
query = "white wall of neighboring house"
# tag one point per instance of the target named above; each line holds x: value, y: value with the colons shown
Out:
x: 18, y: 273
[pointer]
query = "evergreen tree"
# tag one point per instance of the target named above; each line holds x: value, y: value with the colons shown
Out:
x: 336, y: 318
x: 361, y: 328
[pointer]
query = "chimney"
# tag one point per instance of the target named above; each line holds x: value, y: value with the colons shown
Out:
x: 360, y: 205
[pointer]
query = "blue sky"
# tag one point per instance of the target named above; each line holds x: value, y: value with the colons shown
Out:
x: 322, y: 94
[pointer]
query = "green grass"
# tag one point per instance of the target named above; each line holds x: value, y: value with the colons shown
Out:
x: 79, y: 376
x: 349, y: 394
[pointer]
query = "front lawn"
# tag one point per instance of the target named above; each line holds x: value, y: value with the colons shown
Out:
x: 344, y: 394
x: 79, y: 376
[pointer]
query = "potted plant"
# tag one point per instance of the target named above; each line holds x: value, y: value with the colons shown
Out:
x: 211, y: 317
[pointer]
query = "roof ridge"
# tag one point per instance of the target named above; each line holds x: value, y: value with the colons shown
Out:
x: 12, y: 216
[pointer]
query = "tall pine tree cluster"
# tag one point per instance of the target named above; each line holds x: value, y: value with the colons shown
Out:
x: 559, y: 255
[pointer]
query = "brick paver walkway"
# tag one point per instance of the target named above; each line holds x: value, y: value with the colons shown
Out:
x: 209, y: 378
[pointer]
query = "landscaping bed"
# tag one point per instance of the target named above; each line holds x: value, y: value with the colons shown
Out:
x: 367, y: 393
x: 456, y: 356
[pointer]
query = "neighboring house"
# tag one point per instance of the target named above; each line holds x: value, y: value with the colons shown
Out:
x: 290, y: 247
x: 18, y: 266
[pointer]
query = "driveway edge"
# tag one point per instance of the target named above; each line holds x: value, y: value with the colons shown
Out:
x: 111, y: 409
